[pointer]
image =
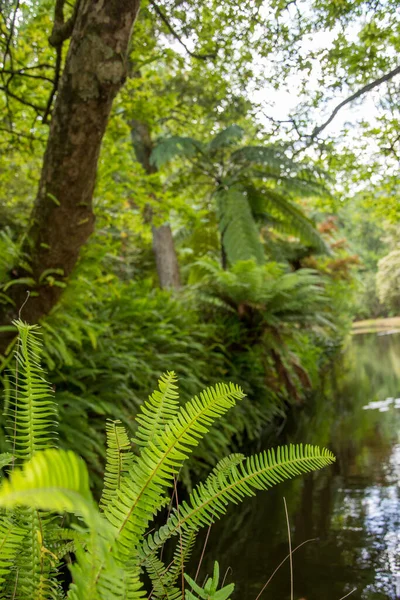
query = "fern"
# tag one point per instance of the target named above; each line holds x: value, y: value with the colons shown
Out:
x: 209, y: 500
x: 173, y: 147
x: 32, y: 415
x: 226, y: 137
x: 112, y: 547
x: 240, y: 236
x: 240, y: 202
x: 161, y: 406
x: 119, y: 460
x: 141, y: 494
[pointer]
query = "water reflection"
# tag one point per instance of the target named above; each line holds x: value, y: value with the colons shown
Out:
x: 352, y: 508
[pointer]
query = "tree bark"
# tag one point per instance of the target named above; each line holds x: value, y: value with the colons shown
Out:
x: 165, y: 255
x: 62, y: 218
x: 163, y: 242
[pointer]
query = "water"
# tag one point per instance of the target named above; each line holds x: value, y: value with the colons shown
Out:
x: 353, y: 508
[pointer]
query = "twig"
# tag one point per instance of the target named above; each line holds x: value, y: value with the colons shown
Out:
x: 202, y: 552
x: 281, y: 563
x: 366, y: 88
x: 180, y: 538
x: 343, y: 597
x: 290, y: 549
x: 177, y: 36
x: 225, y: 576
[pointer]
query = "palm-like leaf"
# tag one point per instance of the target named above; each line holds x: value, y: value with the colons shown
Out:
x: 240, y: 236
x: 173, y: 147
x: 226, y: 137
x: 267, y: 203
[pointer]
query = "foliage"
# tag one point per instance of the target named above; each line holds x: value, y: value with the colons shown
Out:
x: 251, y: 186
x: 111, y: 545
x: 388, y: 281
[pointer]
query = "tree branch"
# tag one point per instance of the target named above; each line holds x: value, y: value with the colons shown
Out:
x: 357, y: 94
x: 170, y: 28
x: 60, y: 33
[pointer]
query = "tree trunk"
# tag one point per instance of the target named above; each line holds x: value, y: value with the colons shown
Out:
x: 163, y: 241
x: 62, y: 218
x: 166, y: 259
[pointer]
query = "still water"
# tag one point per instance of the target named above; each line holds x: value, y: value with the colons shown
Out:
x: 352, y: 508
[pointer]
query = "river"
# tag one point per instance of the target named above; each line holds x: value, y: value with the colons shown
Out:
x: 350, y: 511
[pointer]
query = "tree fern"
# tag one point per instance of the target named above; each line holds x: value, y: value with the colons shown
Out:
x: 240, y: 236
x: 226, y: 137
x: 173, y: 147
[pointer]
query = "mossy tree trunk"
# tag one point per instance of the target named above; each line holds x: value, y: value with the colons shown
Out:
x: 62, y: 218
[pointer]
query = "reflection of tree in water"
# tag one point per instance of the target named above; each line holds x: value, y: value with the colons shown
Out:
x: 353, y: 508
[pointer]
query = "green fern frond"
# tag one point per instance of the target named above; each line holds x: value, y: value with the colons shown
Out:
x: 209, y: 500
x: 224, y: 466
x: 226, y: 137
x: 272, y: 156
x: 32, y: 412
x: 173, y: 147
x: 6, y: 459
x: 162, y: 405
x: 142, y: 493
x: 11, y: 538
x: 164, y: 579
x: 293, y: 220
x: 119, y: 460
x: 240, y: 236
x: 53, y: 480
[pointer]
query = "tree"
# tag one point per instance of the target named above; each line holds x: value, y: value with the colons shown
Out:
x: 62, y: 218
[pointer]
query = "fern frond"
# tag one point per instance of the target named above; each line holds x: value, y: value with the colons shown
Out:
x: 162, y: 405
x: 6, y: 459
x: 240, y: 236
x: 226, y: 137
x: 11, y: 538
x: 293, y: 220
x: 272, y: 156
x: 53, y: 480
x: 142, y: 492
x: 164, y: 579
x: 224, y: 466
x: 33, y: 412
x: 209, y: 500
x: 119, y: 460
x: 174, y: 146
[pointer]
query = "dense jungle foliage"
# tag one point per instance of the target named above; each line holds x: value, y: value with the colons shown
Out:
x: 209, y: 188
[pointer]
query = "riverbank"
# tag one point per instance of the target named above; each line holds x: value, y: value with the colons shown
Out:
x: 383, y: 326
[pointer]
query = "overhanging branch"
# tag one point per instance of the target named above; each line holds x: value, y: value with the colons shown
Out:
x: 357, y: 94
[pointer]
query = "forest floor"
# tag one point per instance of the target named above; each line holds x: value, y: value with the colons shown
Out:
x: 389, y: 325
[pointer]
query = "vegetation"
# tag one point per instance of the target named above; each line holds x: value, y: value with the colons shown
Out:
x: 204, y: 187
x: 112, y: 545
